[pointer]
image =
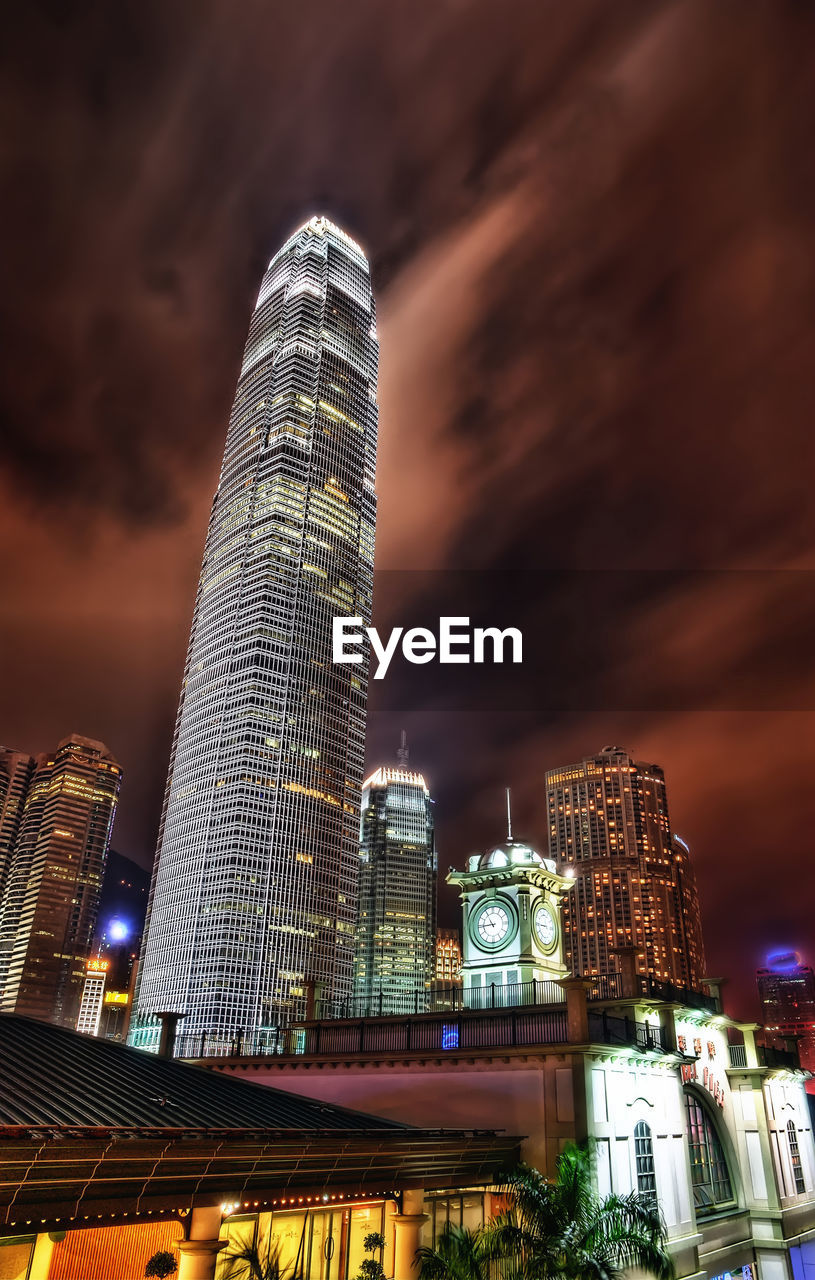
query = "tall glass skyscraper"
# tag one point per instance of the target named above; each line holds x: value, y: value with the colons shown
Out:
x: 396, y: 923
x: 254, y: 889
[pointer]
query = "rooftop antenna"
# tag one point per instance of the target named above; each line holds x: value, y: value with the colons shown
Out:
x: 403, y: 752
x: 509, y: 817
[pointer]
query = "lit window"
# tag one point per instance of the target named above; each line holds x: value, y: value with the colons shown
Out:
x: 644, y: 1154
x: 795, y: 1158
x: 709, y: 1174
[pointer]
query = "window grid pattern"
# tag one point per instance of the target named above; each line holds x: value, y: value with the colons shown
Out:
x: 644, y: 1158
x: 396, y: 920
x: 795, y: 1158
x: 709, y: 1174
x: 609, y: 826
x: 253, y: 894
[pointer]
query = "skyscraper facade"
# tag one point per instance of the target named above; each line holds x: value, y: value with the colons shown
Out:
x: 50, y: 900
x: 253, y: 895
x: 448, y: 957
x: 396, y: 921
x: 15, y: 775
x: 634, y: 885
x: 786, y: 989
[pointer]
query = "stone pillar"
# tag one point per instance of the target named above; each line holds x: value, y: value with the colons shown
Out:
x: 577, y: 1012
x: 199, y: 1253
x: 627, y: 960
x: 748, y: 1030
x: 408, y: 1228
x: 43, y: 1252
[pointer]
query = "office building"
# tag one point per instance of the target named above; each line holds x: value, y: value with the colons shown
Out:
x: 786, y: 989
x: 15, y: 775
x: 609, y: 825
x: 93, y: 997
x: 51, y: 895
x: 396, y: 921
x: 253, y: 896
x: 448, y: 957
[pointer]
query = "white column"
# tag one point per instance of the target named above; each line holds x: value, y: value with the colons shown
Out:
x: 408, y: 1228
x: 199, y: 1253
x: 41, y: 1260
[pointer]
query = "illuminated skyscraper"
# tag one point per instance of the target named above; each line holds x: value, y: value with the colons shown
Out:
x: 15, y: 774
x: 396, y: 922
x: 609, y: 823
x: 786, y: 989
x: 254, y: 886
x: 448, y: 957
x: 51, y: 895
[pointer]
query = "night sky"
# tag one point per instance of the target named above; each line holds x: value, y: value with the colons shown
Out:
x: 591, y: 233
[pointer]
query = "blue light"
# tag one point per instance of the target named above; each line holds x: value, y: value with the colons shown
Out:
x: 783, y: 961
x: 449, y: 1035
x: 118, y: 931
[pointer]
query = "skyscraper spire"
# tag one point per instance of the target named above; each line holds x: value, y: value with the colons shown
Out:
x: 403, y: 752
x: 254, y: 887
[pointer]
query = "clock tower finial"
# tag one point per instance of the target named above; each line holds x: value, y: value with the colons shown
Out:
x: 509, y: 816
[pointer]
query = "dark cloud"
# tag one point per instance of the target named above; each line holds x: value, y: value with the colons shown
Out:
x: 590, y: 229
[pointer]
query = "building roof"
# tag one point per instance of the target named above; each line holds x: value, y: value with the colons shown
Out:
x: 55, y: 1077
x: 92, y: 1132
x: 510, y: 853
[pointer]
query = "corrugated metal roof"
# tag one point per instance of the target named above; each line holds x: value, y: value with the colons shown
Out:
x: 52, y: 1076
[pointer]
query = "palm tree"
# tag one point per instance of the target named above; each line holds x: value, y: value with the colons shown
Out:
x: 557, y: 1230
x: 459, y: 1254
x: 245, y: 1262
x: 562, y: 1229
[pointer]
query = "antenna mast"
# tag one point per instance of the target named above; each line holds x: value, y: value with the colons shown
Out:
x: 403, y: 752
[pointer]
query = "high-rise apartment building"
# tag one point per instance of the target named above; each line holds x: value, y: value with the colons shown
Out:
x: 448, y: 957
x: 51, y: 895
x: 634, y: 885
x: 786, y: 989
x: 253, y: 896
x: 396, y: 921
x: 15, y: 775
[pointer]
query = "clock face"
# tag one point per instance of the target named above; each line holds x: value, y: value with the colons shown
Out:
x: 545, y: 928
x: 493, y: 925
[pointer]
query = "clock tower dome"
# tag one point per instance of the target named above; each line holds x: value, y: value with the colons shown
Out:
x: 511, y: 929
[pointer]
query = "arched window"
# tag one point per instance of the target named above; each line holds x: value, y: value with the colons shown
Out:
x: 795, y: 1158
x: 644, y: 1154
x: 708, y: 1167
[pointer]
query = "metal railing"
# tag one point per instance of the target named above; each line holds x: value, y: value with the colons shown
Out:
x: 419, y: 1021
x: 770, y: 1056
x: 432, y: 1033
x: 447, y: 999
x: 608, y: 1028
x: 678, y: 995
x: 738, y: 1055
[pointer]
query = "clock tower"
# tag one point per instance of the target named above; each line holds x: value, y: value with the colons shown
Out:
x: 511, y: 929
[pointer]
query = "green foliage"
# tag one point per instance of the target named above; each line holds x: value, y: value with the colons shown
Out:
x: 371, y: 1268
x: 161, y: 1265
x: 244, y: 1262
x: 557, y: 1230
